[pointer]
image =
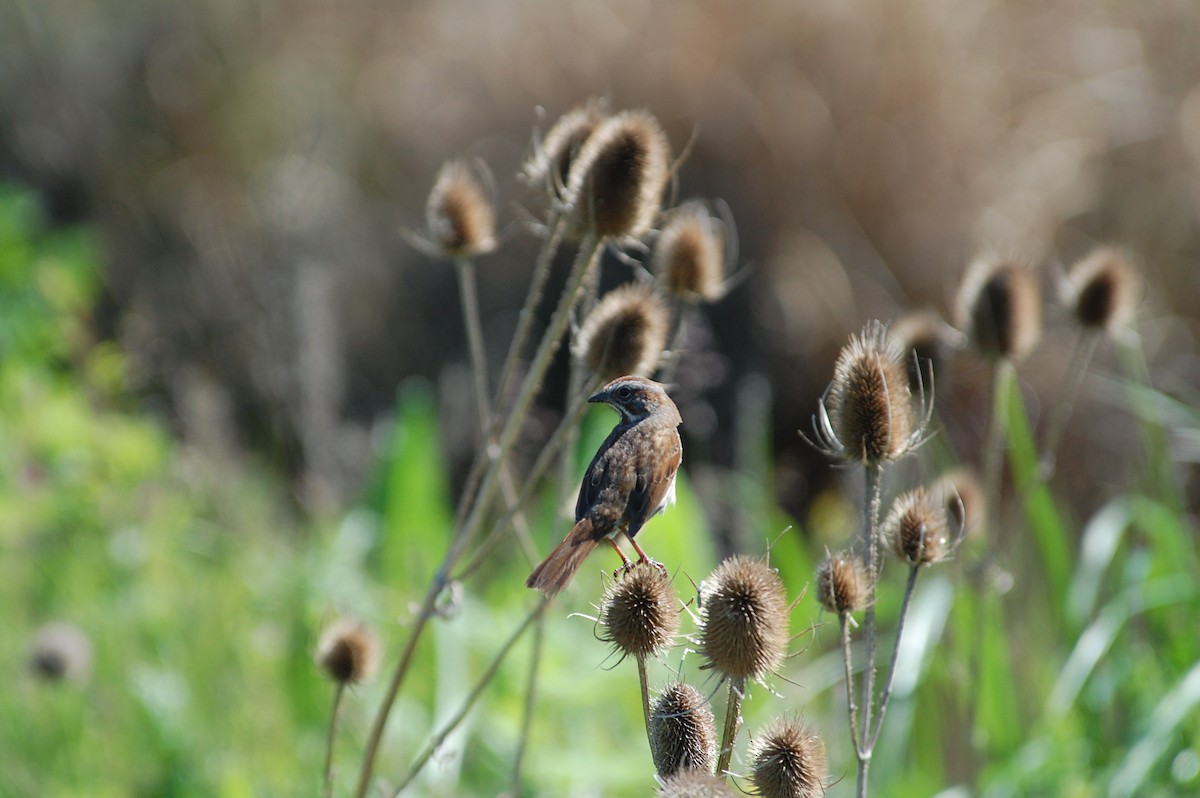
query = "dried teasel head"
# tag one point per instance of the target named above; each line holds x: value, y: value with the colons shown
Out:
x: 917, y: 528
x: 959, y: 492
x: 616, y: 182
x: 60, y: 652
x: 867, y: 412
x: 693, y: 784
x: 926, y: 341
x: 459, y: 215
x: 347, y: 652
x: 843, y: 583
x: 625, y: 333
x: 787, y: 761
x: 1000, y: 308
x: 553, y: 156
x: 683, y: 734
x: 640, y: 612
x: 690, y: 252
x: 1102, y: 290
x: 743, y: 628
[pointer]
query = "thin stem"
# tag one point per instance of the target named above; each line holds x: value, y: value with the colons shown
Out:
x: 678, y: 324
x: 333, y: 724
x: 535, y: 661
x: 733, y: 722
x: 886, y: 695
x: 436, y: 741
x: 645, y: 684
x: 848, y: 657
x: 469, y: 296
x: 864, y: 768
x: 874, y: 483
x: 993, y: 451
x: 1084, y: 348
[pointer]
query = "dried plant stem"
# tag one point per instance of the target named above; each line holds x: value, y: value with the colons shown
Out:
x: 484, y: 680
x: 535, y: 661
x: 338, y: 691
x: 733, y: 722
x: 1084, y: 348
x: 890, y: 677
x: 679, y: 310
x: 873, y: 473
x: 644, y: 681
x: 848, y: 658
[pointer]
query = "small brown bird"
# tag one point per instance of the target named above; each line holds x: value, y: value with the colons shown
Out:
x: 631, y: 479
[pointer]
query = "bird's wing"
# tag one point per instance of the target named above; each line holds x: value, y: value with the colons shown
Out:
x: 654, y: 483
x: 596, y: 476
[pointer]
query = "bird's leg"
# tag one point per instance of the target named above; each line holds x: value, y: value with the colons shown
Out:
x: 625, y: 563
x: 643, y: 557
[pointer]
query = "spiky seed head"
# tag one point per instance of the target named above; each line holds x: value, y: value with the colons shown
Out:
x: 843, y: 584
x: 869, y: 403
x: 960, y: 493
x: 683, y: 734
x: 689, y: 254
x: 693, y: 784
x: 348, y: 652
x: 459, y: 213
x: 640, y: 612
x: 553, y: 156
x: 616, y: 182
x: 925, y: 334
x: 1000, y: 308
x: 743, y: 627
x: 916, y: 528
x: 1102, y: 290
x: 60, y: 651
x: 788, y: 761
x: 625, y: 333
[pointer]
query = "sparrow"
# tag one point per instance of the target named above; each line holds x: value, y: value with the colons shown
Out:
x: 630, y: 480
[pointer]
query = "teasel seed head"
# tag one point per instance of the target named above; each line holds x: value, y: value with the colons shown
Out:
x: 683, y: 734
x: 553, y: 156
x: 843, y: 584
x: 693, y: 784
x: 348, y: 652
x: 689, y: 254
x: 61, y: 652
x: 743, y: 628
x: 867, y: 413
x: 625, y: 333
x: 1000, y: 308
x: 1102, y: 290
x: 616, y: 182
x: 459, y: 212
x: 926, y: 341
x: 640, y: 612
x: 787, y: 761
x: 960, y: 493
x: 917, y: 529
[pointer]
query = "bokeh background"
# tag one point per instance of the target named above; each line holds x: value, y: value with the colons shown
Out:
x: 246, y: 172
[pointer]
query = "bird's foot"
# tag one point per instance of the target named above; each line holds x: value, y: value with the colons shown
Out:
x: 662, y: 569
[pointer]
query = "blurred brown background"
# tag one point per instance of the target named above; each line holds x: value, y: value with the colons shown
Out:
x: 252, y: 166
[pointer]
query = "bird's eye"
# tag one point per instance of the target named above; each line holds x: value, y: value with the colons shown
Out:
x: 624, y: 392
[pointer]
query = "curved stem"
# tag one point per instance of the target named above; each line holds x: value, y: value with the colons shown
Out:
x: 886, y: 695
x: 333, y: 724
x: 535, y: 661
x: 733, y: 722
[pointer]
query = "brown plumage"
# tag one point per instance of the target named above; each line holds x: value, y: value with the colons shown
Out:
x: 631, y: 479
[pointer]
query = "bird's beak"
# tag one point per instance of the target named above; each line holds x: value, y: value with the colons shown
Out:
x: 602, y: 396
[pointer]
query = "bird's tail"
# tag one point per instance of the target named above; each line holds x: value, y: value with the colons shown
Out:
x: 561, y: 564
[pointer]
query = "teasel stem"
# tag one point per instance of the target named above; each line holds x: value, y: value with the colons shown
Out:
x: 993, y: 453
x: 733, y: 722
x: 476, y: 691
x: 535, y: 661
x: 678, y: 325
x: 873, y: 473
x: 1085, y: 347
x: 848, y: 657
x: 644, y: 681
x: 338, y: 690
x: 889, y: 679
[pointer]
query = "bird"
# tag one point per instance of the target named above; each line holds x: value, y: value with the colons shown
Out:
x: 630, y: 479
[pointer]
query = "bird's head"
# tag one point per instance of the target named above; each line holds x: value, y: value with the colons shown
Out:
x: 636, y: 398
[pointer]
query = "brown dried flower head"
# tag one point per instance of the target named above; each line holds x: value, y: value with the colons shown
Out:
x: 640, y: 612
x: 960, y: 493
x: 1102, y: 290
x: 926, y: 335
x: 843, y: 584
x: 625, y: 333
x: 459, y: 213
x: 743, y: 626
x: 694, y: 784
x: 61, y: 651
x: 916, y: 528
x: 348, y: 652
x: 1000, y: 308
x: 867, y: 414
x: 554, y: 154
x: 683, y: 734
x: 689, y: 254
x: 616, y: 182
x: 788, y: 761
